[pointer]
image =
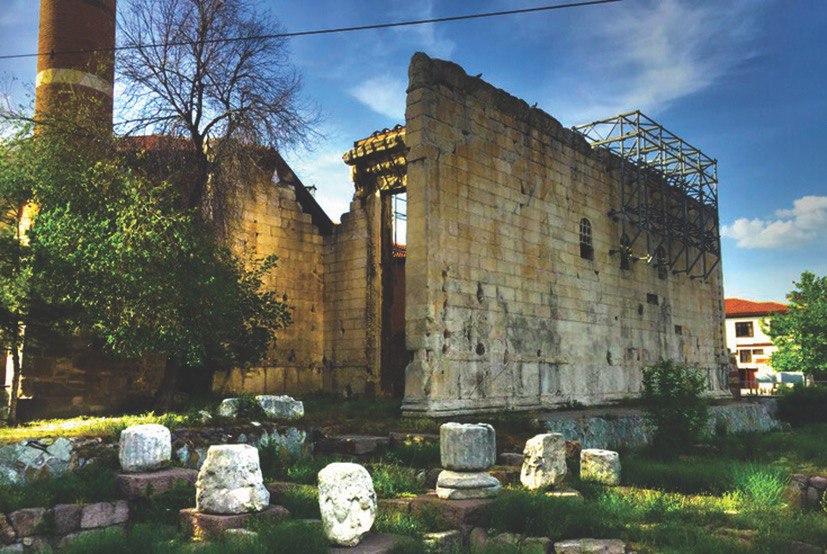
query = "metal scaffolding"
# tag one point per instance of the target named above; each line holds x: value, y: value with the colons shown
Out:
x: 669, y: 194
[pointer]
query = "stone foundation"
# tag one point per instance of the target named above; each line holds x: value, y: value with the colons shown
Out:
x: 200, y: 525
x: 136, y: 485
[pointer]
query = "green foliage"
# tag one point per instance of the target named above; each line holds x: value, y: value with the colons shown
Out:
x: 673, y: 403
x: 801, y: 405
x: 392, y: 479
x: 249, y: 409
x: 112, y: 247
x: 688, y: 476
x: 415, y: 454
x: 302, y: 502
x: 164, y: 507
x: 761, y: 488
x: 801, y: 332
x: 91, y: 483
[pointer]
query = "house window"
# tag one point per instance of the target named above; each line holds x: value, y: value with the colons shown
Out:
x: 661, y: 263
x: 758, y: 351
x: 586, y: 247
x: 625, y: 253
x: 745, y: 356
x: 743, y: 329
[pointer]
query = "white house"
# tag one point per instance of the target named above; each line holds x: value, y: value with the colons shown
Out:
x: 745, y: 339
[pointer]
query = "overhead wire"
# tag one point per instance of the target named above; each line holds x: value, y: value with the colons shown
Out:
x: 314, y: 32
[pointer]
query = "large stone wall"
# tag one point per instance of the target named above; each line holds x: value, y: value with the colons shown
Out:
x: 273, y: 222
x: 502, y: 312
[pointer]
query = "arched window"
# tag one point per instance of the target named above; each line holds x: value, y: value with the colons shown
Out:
x: 625, y: 252
x: 586, y: 246
x: 661, y: 263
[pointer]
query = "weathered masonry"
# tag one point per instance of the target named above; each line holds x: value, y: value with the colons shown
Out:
x: 539, y: 265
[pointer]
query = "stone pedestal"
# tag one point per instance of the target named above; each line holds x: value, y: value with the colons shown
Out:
x: 544, y: 461
x: 200, y: 525
x: 347, y: 501
x: 467, y: 450
x: 136, y: 485
x: 144, y: 448
x: 453, y: 513
x: 600, y: 466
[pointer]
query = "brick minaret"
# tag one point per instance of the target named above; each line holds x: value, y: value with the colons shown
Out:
x: 69, y: 73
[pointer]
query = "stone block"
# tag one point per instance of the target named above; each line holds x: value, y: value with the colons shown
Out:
x: 590, y: 546
x: 537, y: 545
x: 7, y: 534
x: 510, y: 459
x: 281, y: 407
x: 394, y: 506
x: 600, y: 466
x: 467, y: 446
x: 544, y: 461
x: 200, y: 525
x: 136, y: 485
x: 104, y: 514
x: 347, y: 501
x: 67, y: 518
x: 145, y: 448
x: 373, y: 543
x: 443, y: 541
x: 452, y: 513
x: 27, y: 520
x: 230, y: 481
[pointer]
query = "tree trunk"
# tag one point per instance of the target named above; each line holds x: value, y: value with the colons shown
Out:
x: 169, y: 384
x: 14, y: 393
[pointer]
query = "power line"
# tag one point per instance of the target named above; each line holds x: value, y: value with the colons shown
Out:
x: 323, y: 31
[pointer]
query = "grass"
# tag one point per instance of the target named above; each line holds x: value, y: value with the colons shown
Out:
x: 302, y: 502
x: 91, y: 483
x: 83, y: 426
x: 164, y: 507
x: 288, y: 536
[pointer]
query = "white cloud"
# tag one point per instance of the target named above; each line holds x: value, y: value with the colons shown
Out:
x: 330, y: 175
x: 648, y: 54
x: 805, y: 222
x: 384, y: 94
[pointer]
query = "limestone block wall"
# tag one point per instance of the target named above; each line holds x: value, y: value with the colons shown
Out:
x: 347, y: 336
x: 502, y: 312
x: 272, y: 222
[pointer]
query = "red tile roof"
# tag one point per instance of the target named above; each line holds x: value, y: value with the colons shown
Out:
x: 735, y: 307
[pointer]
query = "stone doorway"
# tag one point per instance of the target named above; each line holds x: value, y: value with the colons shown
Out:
x: 394, y: 356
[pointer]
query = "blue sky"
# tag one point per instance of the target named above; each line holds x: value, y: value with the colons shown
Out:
x: 744, y: 80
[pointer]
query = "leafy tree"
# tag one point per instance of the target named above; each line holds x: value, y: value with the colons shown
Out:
x: 801, y: 332
x: 113, y: 245
x: 16, y: 294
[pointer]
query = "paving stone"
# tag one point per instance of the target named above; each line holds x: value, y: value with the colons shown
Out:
x: 372, y: 543
x: 67, y: 518
x: 104, y: 514
x: 200, y: 525
x: 443, y: 540
x: 453, y: 513
x: 7, y: 534
x: 510, y: 459
x: 590, y: 546
x: 27, y: 520
x: 136, y: 485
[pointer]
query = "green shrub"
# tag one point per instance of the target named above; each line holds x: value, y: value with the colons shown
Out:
x: 673, y: 403
x: 391, y: 479
x: 802, y: 405
x: 302, y: 502
x: 687, y: 476
x: 91, y: 483
x: 761, y: 488
x: 164, y: 507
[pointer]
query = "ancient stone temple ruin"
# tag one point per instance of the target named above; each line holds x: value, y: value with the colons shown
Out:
x: 490, y: 259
